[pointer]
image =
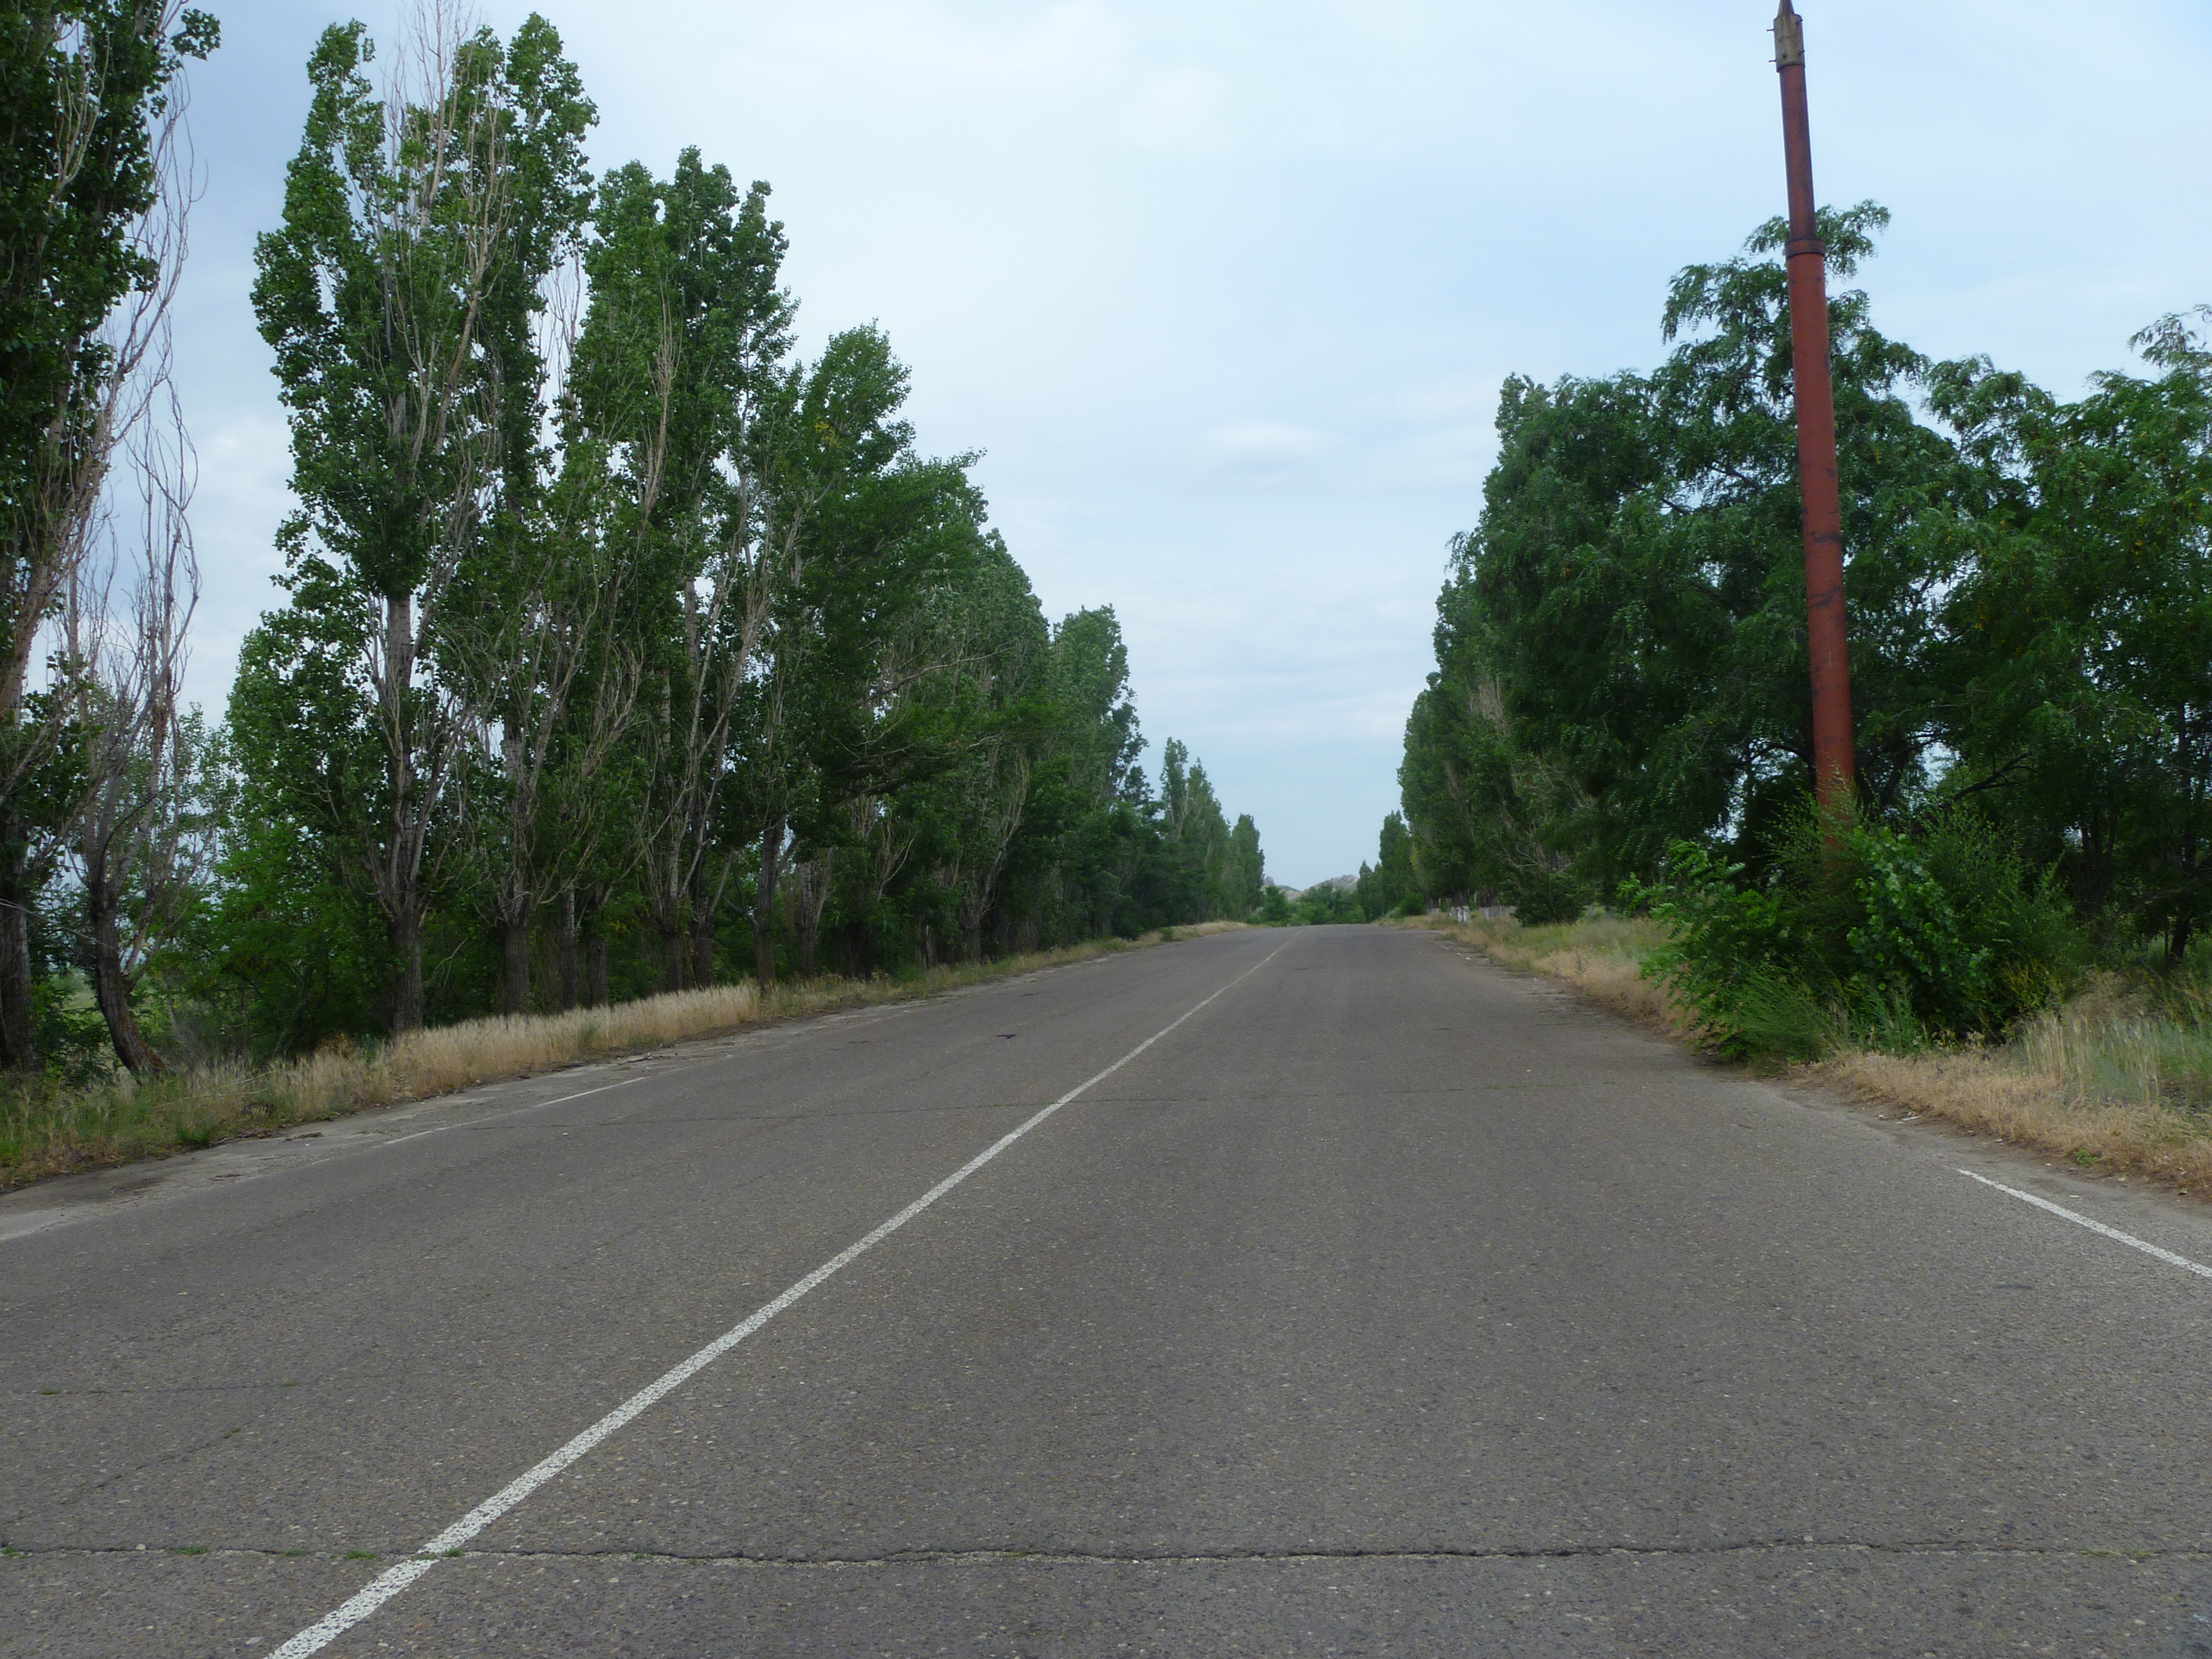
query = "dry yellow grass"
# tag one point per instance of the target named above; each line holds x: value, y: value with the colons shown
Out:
x: 47, y: 1130
x: 2105, y: 1082
x: 1992, y: 1093
x: 1602, y: 957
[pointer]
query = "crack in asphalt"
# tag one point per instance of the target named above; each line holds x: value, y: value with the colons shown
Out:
x: 1185, y: 1558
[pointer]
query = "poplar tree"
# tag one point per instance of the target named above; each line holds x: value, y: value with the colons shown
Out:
x: 419, y: 225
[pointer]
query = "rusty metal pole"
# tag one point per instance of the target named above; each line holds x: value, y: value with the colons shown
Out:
x: 1832, y: 770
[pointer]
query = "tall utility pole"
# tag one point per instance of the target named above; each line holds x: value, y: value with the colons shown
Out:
x: 1825, y: 633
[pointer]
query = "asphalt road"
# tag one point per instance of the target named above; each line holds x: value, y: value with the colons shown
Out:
x: 1386, y: 1304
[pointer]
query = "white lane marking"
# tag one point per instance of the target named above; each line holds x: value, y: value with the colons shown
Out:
x: 390, y: 1583
x: 2080, y: 1220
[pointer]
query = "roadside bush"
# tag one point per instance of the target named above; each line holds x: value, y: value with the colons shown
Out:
x: 1736, y: 954
x: 1543, y: 896
x: 1891, y: 936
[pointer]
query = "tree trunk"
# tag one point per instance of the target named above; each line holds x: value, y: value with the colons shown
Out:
x: 702, y: 947
x: 595, y: 969
x: 2185, y: 916
x: 514, y: 960
x: 764, y: 903
x: 401, y: 877
x: 810, y: 929
x: 674, y: 957
x: 564, y: 949
x: 518, y: 901
x: 811, y: 893
x: 19, y: 1023
x: 111, y: 987
x: 404, y: 928
x: 594, y: 929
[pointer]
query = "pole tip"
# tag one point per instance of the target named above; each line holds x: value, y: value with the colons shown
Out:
x: 1789, y: 37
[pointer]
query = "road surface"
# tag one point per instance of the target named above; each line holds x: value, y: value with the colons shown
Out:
x: 1367, y: 1300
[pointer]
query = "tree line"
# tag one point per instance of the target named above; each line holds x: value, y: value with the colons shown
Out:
x: 1621, y: 672
x: 623, y: 647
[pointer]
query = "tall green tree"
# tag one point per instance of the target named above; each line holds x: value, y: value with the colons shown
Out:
x: 681, y: 376
x: 1390, y: 882
x: 1621, y: 652
x: 2082, y: 633
x: 400, y: 295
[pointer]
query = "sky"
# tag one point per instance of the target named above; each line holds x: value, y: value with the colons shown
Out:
x: 1224, y: 293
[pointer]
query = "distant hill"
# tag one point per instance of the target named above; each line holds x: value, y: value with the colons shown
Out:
x: 1342, y: 884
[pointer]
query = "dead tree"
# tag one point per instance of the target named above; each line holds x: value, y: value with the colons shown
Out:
x: 142, y: 835
x: 94, y: 244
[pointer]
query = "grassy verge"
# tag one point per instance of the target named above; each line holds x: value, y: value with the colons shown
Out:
x: 2119, y: 1079
x: 48, y: 1130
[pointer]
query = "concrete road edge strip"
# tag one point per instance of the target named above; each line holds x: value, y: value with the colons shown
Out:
x: 2080, y: 1220
x: 390, y: 1583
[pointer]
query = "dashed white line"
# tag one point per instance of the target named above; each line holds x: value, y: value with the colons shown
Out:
x: 2094, y: 1226
x: 391, y: 1581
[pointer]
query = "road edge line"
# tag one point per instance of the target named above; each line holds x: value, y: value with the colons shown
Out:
x: 2095, y: 1226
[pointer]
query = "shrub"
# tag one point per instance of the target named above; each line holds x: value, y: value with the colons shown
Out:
x: 1892, y: 935
x: 1544, y: 895
x: 1734, y: 955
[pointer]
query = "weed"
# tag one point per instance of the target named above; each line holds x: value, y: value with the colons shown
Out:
x: 189, y: 1549
x: 360, y: 1555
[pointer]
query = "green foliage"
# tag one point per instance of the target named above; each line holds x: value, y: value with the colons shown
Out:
x: 1621, y: 676
x: 1326, y: 906
x: 88, y: 86
x: 686, y: 663
x: 1893, y: 935
x: 1392, y: 884
x: 1736, y: 954
x: 93, y: 190
x: 1621, y: 646
x: 2077, y: 636
x: 1545, y: 894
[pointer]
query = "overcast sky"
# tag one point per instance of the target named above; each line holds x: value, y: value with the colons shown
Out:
x: 1224, y: 292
